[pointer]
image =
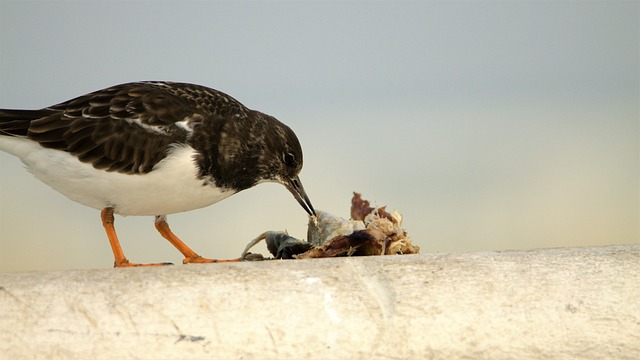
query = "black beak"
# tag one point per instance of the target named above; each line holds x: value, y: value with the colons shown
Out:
x: 295, y: 186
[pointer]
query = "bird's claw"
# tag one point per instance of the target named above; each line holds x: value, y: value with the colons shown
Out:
x: 127, y: 263
x: 202, y: 260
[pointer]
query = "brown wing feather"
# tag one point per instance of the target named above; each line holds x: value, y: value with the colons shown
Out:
x: 126, y: 128
x: 16, y: 122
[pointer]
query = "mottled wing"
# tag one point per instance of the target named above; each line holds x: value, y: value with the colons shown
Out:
x: 127, y: 128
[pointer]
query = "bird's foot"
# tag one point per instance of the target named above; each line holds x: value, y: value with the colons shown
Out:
x: 127, y: 263
x: 202, y: 260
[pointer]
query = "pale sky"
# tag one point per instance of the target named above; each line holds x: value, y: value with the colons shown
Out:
x: 489, y: 125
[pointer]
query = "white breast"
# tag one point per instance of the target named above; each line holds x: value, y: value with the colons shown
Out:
x: 170, y: 188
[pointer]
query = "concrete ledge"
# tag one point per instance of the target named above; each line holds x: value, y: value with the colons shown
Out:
x: 559, y: 303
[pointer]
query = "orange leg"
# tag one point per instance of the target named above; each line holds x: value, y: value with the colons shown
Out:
x: 118, y: 254
x: 190, y: 256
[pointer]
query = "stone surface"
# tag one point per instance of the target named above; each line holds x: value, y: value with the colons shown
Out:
x: 557, y: 303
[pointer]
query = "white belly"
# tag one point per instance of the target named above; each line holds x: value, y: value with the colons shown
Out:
x: 170, y: 188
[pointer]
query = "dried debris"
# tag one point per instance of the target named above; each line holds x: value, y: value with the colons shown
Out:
x: 327, y: 226
x: 370, y: 231
x: 279, y: 243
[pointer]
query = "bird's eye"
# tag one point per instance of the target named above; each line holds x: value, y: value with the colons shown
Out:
x: 289, y: 159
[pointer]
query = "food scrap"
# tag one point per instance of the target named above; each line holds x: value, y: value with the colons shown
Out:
x: 279, y: 244
x: 370, y: 231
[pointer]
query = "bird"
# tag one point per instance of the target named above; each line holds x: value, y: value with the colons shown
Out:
x: 153, y: 148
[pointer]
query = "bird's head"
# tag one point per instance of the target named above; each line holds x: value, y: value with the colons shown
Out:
x: 283, y: 160
x: 252, y: 149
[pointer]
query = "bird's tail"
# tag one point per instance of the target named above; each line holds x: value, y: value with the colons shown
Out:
x: 17, y: 122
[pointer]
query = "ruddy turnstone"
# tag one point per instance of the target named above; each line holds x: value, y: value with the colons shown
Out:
x: 153, y: 148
